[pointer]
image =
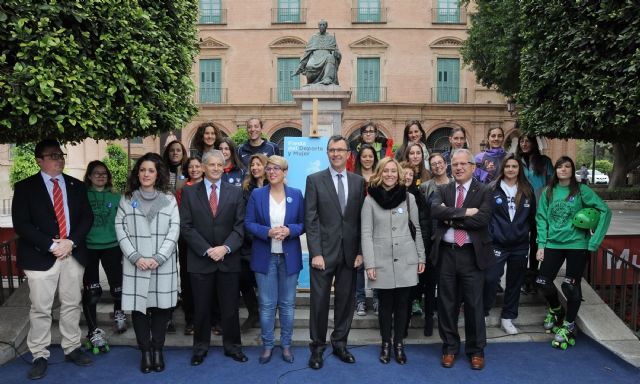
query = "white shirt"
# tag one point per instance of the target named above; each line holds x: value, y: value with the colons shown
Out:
x: 276, y: 217
x: 448, y: 236
x: 511, y: 197
x: 334, y: 178
x: 208, y: 185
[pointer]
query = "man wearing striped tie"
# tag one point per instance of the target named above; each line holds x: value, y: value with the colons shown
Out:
x: 461, y: 251
x: 52, y: 216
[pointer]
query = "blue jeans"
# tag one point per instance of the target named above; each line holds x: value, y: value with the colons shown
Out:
x: 360, y: 293
x: 276, y: 290
x: 516, y: 262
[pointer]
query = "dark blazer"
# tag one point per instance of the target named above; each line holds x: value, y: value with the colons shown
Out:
x: 329, y: 232
x: 477, y: 226
x: 34, y: 220
x: 258, y: 223
x: 202, y: 231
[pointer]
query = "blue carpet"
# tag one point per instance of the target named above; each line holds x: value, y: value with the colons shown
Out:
x: 587, y: 362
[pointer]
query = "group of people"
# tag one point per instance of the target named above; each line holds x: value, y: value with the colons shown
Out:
x: 224, y: 223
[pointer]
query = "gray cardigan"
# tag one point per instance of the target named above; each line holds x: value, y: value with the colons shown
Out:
x: 387, y: 245
x: 154, y: 237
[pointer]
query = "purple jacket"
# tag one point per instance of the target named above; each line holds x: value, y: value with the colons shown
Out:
x: 484, y: 159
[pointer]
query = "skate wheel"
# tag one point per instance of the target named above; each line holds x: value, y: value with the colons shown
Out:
x: 554, y: 344
x: 106, y: 348
x: 564, y: 346
x: 95, y: 350
x: 572, y: 342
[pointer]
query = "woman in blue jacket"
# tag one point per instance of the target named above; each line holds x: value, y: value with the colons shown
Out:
x: 511, y: 225
x: 275, y: 219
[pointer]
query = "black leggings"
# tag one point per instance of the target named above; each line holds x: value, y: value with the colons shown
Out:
x: 150, y: 327
x: 111, y: 259
x: 393, y: 310
x: 576, y: 262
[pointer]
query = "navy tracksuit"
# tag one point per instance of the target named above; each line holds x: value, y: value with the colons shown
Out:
x: 511, y: 247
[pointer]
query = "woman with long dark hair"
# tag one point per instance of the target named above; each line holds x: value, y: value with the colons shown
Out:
x: 488, y: 162
x: 559, y: 240
x: 415, y: 155
x: 234, y: 170
x: 102, y: 247
x: 147, y: 227
x: 205, y: 138
x: 174, y: 157
x: 394, y: 260
x: 413, y: 133
x: 511, y: 225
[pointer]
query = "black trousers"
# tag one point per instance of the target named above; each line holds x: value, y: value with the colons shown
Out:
x: 225, y: 285
x: 457, y: 269
x: 393, y: 312
x: 516, y: 262
x: 150, y: 327
x: 248, y: 288
x: 344, y: 301
x: 186, y: 293
x: 111, y: 259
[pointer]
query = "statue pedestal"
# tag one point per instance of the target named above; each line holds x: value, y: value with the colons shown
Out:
x: 330, y: 102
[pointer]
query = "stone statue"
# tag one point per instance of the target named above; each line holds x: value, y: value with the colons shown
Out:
x: 321, y: 58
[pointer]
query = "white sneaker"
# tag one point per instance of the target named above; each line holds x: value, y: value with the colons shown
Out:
x: 508, y: 327
x: 361, y: 309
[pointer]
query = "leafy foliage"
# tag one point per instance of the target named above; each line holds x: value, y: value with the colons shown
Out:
x: 24, y: 163
x: 580, y: 66
x: 493, y: 45
x: 240, y: 136
x: 103, y: 69
x: 116, y: 161
x: 604, y: 166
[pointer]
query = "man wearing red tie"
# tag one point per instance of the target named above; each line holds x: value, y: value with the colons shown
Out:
x: 52, y: 216
x: 461, y: 251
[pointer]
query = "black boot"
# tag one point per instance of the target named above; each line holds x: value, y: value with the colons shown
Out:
x: 145, y: 363
x: 398, y: 349
x: 428, y: 325
x: 158, y: 360
x: 385, y: 352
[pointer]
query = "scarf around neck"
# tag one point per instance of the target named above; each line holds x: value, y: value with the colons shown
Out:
x: 388, y: 199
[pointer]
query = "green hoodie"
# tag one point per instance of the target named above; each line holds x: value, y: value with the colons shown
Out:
x: 104, y: 205
x: 554, y: 219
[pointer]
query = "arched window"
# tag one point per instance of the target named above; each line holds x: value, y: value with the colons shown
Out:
x: 279, y: 135
x: 356, y: 134
x: 438, y: 141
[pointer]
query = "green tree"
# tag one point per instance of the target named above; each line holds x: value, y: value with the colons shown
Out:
x: 103, y: 69
x: 579, y: 75
x: 116, y: 160
x: 493, y: 45
x: 604, y: 166
x: 24, y: 163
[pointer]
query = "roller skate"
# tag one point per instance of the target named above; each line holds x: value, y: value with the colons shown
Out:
x: 553, y: 320
x: 120, y: 321
x: 565, y: 336
x: 97, y: 342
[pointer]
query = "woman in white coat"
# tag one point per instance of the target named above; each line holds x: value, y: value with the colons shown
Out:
x: 147, y: 227
x: 392, y: 258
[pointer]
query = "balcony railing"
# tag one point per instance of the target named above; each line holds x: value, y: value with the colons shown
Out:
x: 369, y: 95
x: 456, y: 15
x: 213, y: 16
x: 282, y: 96
x: 10, y: 276
x: 211, y: 95
x: 370, y: 15
x: 288, y: 15
x: 449, y: 95
x: 616, y: 279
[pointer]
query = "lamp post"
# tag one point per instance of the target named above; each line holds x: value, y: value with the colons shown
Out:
x: 511, y: 105
x: 483, y: 145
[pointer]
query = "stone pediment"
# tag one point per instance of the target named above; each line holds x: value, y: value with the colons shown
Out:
x: 447, y: 42
x: 369, y: 42
x: 211, y: 43
x: 288, y: 42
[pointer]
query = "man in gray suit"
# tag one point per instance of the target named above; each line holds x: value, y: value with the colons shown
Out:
x: 333, y: 199
x: 461, y: 251
x: 212, y: 223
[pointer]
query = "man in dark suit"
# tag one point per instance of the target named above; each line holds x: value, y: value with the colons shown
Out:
x: 212, y: 223
x: 461, y: 251
x: 333, y: 199
x: 52, y: 216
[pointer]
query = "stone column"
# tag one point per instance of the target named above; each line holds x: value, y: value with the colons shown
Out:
x: 331, y: 102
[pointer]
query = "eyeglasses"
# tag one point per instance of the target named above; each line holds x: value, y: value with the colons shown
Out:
x: 55, y: 156
x: 369, y: 132
x: 437, y: 164
x: 337, y: 150
x: 273, y: 169
x: 456, y: 165
x: 100, y: 174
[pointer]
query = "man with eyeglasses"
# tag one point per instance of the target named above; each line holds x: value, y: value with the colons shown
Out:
x: 52, y: 216
x: 333, y: 199
x: 461, y: 251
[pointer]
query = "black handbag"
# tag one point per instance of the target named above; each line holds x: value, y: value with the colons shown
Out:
x: 412, y: 228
